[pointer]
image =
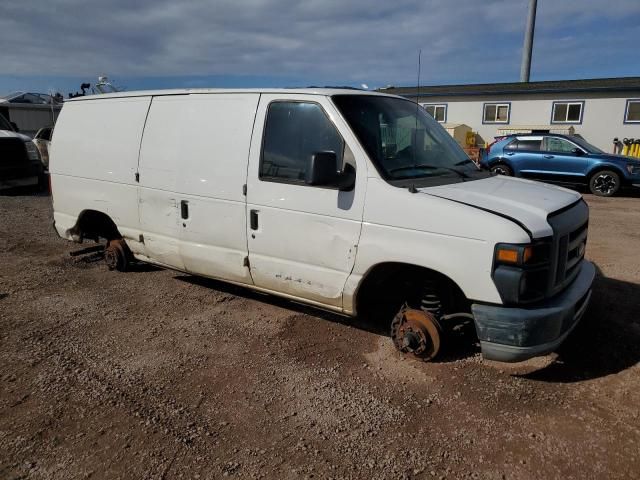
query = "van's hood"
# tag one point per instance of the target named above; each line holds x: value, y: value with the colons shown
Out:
x: 11, y: 134
x: 525, y: 201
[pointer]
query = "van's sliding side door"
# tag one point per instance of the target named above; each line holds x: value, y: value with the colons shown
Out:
x: 302, y: 239
x: 193, y: 168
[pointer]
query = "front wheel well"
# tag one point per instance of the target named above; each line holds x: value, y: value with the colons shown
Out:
x: 94, y: 225
x: 601, y: 168
x: 387, y: 286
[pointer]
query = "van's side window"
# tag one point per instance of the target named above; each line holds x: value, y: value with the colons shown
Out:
x: 294, y: 131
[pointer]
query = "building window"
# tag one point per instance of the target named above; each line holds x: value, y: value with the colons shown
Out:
x: 437, y: 111
x: 632, y: 112
x: 567, y: 112
x: 496, y: 113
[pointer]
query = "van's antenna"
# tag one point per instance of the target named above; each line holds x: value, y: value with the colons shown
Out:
x: 419, y: 68
x: 414, y: 140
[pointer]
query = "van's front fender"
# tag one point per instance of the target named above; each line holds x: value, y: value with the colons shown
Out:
x: 450, y: 238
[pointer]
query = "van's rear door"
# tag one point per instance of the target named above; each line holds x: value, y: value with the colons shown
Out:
x: 193, y: 168
x: 302, y: 238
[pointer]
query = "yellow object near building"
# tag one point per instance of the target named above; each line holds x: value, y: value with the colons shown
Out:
x: 458, y: 131
x: 471, y: 139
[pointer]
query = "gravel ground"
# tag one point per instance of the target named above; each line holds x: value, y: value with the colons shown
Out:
x: 158, y: 374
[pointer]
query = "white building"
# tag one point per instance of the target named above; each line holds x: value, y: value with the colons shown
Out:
x: 598, y: 109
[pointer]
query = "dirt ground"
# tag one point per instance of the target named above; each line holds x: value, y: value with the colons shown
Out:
x: 157, y: 374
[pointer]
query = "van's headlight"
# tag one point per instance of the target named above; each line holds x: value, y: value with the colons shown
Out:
x: 521, y: 271
x: 32, y: 151
x: 633, y: 169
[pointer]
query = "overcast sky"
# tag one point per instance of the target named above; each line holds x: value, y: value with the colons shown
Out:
x: 56, y: 44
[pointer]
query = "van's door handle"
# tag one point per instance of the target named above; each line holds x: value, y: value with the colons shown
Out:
x: 511, y: 153
x: 184, y: 209
x: 548, y: 156
x: 253, y: 219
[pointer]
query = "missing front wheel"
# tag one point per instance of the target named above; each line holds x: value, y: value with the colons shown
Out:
x: 416, y: 332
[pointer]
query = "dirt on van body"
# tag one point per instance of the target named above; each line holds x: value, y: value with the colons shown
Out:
x: 158, y: 374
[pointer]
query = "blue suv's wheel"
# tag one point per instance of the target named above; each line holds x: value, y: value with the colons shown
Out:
x: 502, y: 169
x: 604, y: 183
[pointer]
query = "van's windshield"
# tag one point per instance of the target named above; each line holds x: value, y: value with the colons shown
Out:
x: 405, y: 143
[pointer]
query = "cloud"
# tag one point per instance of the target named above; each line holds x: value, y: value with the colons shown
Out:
x: 331, y: 41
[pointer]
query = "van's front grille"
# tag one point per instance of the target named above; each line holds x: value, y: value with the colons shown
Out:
x: 570, y: 228
x: 570, y: 253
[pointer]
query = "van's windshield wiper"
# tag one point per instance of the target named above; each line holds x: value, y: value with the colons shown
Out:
x: 429, y: 167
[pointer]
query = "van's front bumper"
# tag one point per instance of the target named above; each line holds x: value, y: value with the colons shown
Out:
x: 514, y: 334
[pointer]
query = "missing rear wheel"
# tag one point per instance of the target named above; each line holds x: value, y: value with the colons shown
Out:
x: 115, y: 255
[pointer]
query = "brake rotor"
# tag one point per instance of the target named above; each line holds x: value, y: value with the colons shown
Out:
x: 416, y: 332
x: 115, y: 255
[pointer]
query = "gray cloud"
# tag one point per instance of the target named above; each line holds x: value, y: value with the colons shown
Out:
x: 333, y: 40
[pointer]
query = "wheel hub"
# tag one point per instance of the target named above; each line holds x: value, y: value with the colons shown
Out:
x: 115, y: 255
x: 411, y: 341
x: 111, y: 258
x: 604, y: 184
x: 416, y: 332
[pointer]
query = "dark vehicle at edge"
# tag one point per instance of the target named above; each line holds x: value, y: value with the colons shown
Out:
x: 20, y: 162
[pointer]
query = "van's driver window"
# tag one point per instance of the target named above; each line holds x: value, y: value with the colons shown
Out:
x: 294, y: 132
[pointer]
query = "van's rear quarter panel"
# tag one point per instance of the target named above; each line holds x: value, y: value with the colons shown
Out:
x: 94, y: 158
x: 100, y: 139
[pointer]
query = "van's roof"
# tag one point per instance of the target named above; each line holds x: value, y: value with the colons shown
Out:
x: 187, y: 91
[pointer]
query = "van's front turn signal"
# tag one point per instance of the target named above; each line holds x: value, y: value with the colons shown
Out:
x: 514, y: 254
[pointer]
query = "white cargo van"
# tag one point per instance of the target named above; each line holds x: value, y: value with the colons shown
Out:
x: 351, y: 201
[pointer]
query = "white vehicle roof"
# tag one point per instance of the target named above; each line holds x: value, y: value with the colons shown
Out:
x: 187, y: 91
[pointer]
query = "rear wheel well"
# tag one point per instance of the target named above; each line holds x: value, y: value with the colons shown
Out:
x: 95, y: 225
x: 504, y: 163
x: 388, y: 285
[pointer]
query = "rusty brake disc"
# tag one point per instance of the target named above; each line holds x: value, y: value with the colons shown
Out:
x: 115, y: 255
x: 416, y: 332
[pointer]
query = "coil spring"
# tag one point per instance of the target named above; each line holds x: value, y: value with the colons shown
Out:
x: 430, y: 301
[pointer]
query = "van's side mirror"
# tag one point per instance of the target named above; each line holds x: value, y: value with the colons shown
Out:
x: 578, y: 152
x: 323, y: 170
x: 15, y: 127
x: 347, y: 178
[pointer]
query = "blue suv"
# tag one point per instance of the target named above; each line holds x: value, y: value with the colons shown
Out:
x: 564, y: 159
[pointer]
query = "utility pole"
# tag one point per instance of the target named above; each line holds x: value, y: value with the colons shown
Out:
x: 525, y: 68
